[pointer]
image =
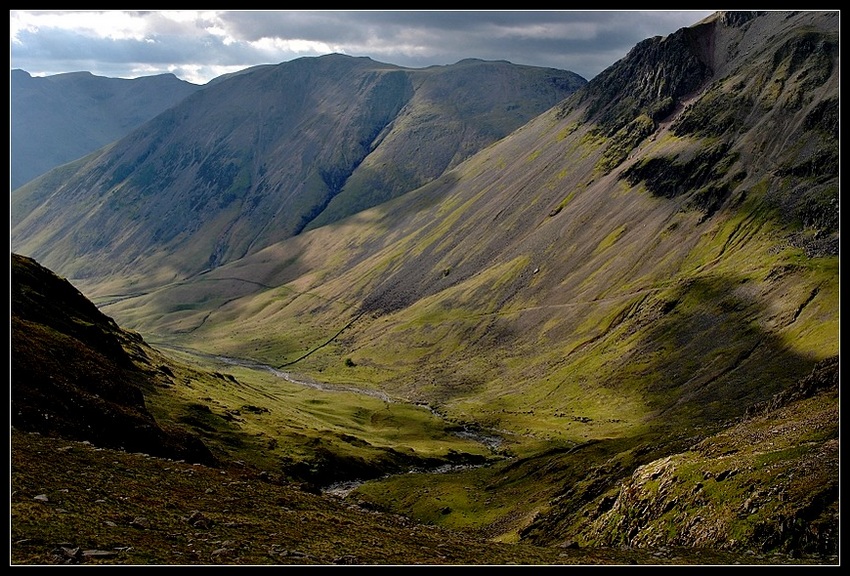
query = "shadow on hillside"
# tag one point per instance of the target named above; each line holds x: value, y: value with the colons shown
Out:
x: 705, y: 356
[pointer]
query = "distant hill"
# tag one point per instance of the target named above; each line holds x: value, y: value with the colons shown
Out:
x: 59, y: 118
x: 260, y: 156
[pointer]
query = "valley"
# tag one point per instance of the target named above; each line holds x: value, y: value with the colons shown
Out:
x: 600, y: 327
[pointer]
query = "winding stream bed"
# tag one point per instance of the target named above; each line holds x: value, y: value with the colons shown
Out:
x: 491, y: 440
x: 343, y: 488
x: 305, y: 382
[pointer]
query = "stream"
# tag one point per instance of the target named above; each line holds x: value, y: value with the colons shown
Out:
x: 343, y: 488
x: 492, y: 441
x: 303, y: 382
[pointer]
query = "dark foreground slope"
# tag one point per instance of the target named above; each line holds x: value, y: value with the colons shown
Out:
x: 57, y: 119
x: 74, y: 503
x: 77, y: 375
x: 257, y: 157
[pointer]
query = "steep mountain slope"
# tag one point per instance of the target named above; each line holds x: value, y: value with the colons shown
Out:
x: 257, y: 157
x: 59, y: 118
x: 623, y: 275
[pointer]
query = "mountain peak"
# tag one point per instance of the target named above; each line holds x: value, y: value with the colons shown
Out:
x: 737, y: 18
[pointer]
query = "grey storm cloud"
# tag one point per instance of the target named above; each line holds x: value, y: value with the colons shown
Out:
x: 440, y: 37
x: 207, y: 44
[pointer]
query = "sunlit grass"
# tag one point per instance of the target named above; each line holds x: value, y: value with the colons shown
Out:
x: 269, y: 419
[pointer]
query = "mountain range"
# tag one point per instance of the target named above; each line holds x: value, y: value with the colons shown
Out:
x: 260, y: 156
x: 610, y: 307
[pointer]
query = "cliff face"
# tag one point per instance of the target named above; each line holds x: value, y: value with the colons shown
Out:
x: 757, y: 88
x: 653, y: 78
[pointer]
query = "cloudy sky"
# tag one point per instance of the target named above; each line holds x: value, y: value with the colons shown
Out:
x: 200, y: 45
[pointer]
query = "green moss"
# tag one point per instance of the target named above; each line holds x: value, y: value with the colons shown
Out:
x: 563, y: 203
x: 624, y: 141
x: 610, y: 239
x: 566, y: 131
